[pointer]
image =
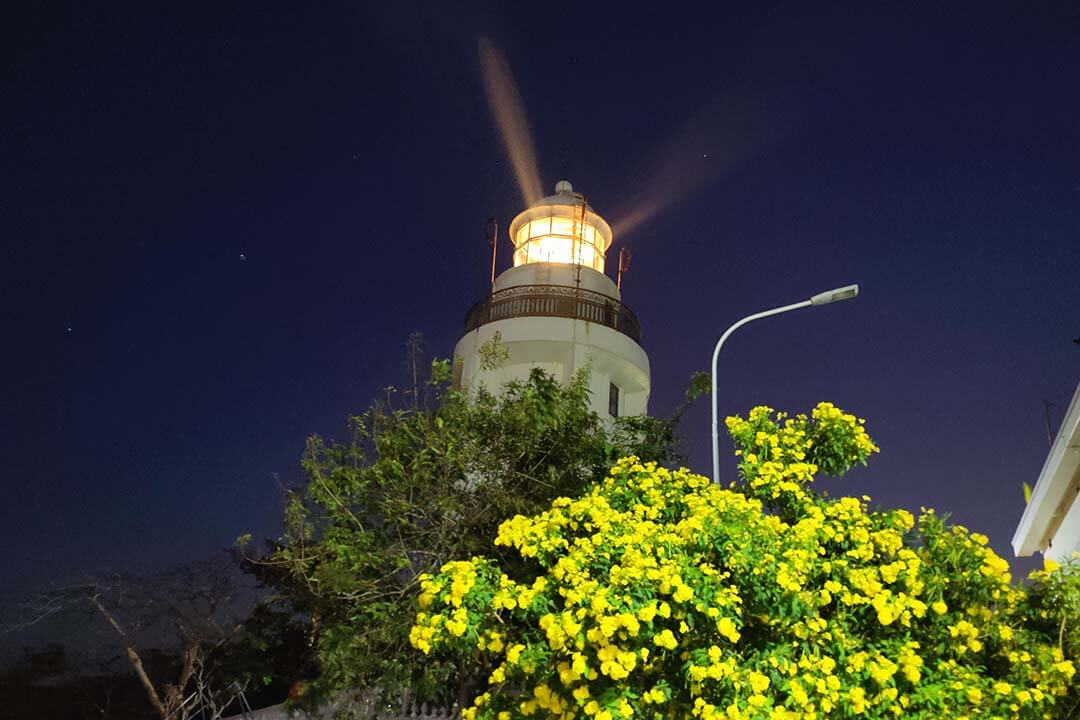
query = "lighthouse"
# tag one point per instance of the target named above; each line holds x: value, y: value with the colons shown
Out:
x: 557, y: 310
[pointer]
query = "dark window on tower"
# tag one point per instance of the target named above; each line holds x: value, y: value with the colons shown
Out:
x: 613, y: 400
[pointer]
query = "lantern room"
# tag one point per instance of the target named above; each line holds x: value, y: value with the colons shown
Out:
x: 561, y: 228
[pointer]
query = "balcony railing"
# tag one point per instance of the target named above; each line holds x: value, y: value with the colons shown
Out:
x: 554, y: 301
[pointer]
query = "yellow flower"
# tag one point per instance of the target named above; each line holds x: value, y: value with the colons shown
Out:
x: 758, y: 682
x: 727, y: 629
x: 513, y: 655
x: 798, y: 693
x: 655, y: 696
x: 666, y: 639
x: 857, y: 696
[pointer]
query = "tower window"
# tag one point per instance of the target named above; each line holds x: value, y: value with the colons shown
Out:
x: 613, y: 400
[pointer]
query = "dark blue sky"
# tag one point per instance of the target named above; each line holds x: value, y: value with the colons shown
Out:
x: 157, y: 388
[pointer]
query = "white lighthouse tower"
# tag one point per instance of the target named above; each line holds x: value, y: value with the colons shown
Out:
x: 556, y: 309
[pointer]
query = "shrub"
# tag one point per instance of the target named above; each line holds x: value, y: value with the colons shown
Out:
x: 658, y: 594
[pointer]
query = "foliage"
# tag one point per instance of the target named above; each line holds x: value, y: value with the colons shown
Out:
x: 419, y: 485
x: 1057, y: 602
x: 658, y: 594
x: 493, y: 353
x: 261, y: 659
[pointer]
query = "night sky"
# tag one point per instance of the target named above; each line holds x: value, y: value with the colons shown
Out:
x: 220, y: 222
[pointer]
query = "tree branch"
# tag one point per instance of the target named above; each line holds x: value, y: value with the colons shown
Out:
x: 133, y: 658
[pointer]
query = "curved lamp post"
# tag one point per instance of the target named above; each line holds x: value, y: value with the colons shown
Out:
x: 829, y: 296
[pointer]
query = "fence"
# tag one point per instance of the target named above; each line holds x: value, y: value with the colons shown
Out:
x: 368, y: 707
x: 554, y: 301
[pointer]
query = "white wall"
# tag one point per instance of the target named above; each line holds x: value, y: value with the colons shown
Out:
x: 561, y: 346
x: 1066, y: 540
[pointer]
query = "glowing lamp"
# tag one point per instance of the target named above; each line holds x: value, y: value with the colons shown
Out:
x: 561, y: 228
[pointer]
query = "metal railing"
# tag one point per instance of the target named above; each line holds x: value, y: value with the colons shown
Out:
x: 363, y: 706
x: 554, y: 301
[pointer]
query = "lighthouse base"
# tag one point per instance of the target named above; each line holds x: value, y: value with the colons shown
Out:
x: 619, y: 380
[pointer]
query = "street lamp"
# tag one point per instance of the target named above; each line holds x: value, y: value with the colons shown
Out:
x: 829, y: 296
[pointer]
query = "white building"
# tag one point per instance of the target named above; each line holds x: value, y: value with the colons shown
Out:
x: 1051, y: 521
x: 556, y: 309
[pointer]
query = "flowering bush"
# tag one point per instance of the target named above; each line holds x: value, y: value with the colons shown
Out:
x: 658, y: 594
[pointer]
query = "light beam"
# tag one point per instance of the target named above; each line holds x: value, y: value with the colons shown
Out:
x: 509, y: 115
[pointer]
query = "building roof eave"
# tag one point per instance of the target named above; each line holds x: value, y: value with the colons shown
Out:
x: 1059, y: 474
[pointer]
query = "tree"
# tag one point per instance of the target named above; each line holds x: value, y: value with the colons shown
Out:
x: 414, y: 487
x: 166, y: 625
x: 658, y: 594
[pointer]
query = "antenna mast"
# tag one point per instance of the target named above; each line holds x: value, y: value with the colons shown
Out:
x: 625, y: 256
x: 579, y: 235
x: 491, y: 232
x: 1046, y: 414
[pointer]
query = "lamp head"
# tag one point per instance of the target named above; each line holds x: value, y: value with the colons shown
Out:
x: 835, y: 295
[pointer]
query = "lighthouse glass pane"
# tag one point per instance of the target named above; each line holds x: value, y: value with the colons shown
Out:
x: 539, y: 228
x: 562, y: 226
x: 522, y: 235
x: 586, y: 254
x: 556, y: 249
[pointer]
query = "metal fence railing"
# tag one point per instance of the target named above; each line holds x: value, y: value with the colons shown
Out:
x: 554, y: 301
x: 357, y: 707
